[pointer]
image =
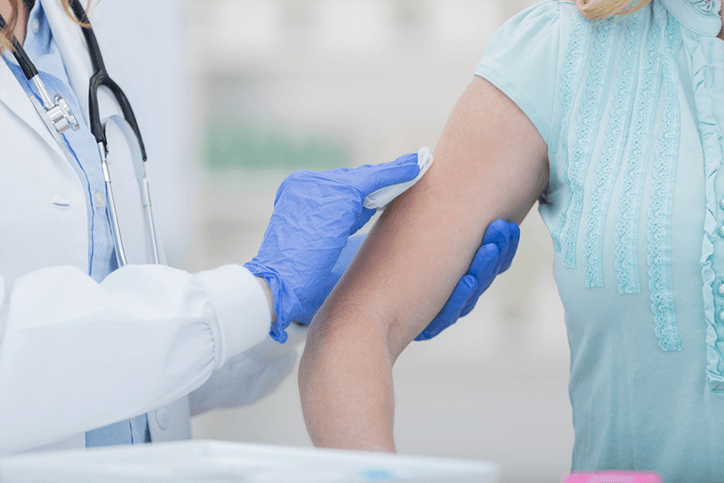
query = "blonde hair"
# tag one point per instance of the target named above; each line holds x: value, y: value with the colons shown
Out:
x: 6, y: 34
x: 603, y: 9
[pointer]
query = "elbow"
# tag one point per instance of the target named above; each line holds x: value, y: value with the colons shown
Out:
x: 343, y: 337
x: 345, y: 383
x: 350, y: 334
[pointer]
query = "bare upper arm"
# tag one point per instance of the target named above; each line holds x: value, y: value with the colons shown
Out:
x: 490, y: 163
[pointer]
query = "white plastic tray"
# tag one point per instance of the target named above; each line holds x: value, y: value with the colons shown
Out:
x: 213, y: 461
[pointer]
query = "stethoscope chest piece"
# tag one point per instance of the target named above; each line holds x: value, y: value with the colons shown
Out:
x: 55, y: 112
x: 61, y: 116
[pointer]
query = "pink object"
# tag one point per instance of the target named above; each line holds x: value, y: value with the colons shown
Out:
x: 613, y: 477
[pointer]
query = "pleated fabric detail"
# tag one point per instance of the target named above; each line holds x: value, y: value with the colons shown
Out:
x: 612, y: 153
x: 662, y: 193
x: 571, y: 73
x: 627, y: 218
x: 589, y: 119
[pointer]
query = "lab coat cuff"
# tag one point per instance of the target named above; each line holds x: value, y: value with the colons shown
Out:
x: 242, y: 312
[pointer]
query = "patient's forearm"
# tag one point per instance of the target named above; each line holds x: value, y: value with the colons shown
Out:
x: 342, y: 411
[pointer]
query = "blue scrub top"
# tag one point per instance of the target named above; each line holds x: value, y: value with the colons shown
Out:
x: 85, y: 158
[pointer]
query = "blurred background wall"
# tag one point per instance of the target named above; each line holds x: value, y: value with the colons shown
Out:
x: 257, y: 88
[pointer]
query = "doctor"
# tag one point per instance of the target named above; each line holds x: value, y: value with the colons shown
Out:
x: 92, y: 354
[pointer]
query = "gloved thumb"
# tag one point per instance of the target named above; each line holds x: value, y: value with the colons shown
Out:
x: 485, y: 261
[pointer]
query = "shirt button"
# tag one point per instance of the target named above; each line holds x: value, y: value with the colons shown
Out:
x: 721, y: 316
x: 98, y: 200
x: 35, y: 25
x: 721, y: 231
x: 721, y: 289
x: 163, y: 417
x: 722, y: 203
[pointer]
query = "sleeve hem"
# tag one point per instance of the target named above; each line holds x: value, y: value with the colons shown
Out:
x: 506, y: 88
x: 241, y: 308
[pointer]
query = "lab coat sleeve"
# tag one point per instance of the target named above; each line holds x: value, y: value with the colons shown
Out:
x: 77, y: 355
x: 249, y: 376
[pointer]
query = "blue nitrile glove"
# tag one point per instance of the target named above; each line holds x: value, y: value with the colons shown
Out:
x: 314, y: 214
x: 493, y: 257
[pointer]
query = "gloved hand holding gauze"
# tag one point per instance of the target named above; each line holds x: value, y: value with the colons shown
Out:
x: 381, y: 197
x: 314, y: 215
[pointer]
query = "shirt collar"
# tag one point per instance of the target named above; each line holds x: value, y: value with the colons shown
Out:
x: 39, y: 44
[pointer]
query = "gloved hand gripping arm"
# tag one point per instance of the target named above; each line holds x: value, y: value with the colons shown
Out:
x: 492, y: 258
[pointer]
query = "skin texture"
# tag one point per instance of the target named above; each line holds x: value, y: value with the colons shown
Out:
x: 490, y: 163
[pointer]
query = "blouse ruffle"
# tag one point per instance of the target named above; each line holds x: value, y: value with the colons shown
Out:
x: 711, y: 136
x: 699, y: 16
x: 706, y: 6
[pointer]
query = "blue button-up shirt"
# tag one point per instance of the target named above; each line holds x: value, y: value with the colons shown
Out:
x: 83, y: 154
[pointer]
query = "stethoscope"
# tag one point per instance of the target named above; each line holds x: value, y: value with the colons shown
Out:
x: 58, y: 117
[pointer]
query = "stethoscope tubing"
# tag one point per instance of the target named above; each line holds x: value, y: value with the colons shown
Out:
x: 101, y: 78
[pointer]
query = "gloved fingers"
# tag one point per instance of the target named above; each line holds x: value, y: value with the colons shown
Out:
x: 371, y: 178
x: 469, y: 306
x: 507, y: 257
x: 498, y: 232
x: 463, y: 290
x: 483, y: 284
x: 485, y: 261
x: 450, y: 312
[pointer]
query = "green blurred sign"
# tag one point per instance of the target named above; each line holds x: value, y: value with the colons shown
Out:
x: 250, y: 147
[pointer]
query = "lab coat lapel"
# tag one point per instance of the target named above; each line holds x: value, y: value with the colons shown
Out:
x: 14, y: 97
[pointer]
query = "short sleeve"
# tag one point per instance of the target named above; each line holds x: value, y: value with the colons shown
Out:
x: 522, y: 61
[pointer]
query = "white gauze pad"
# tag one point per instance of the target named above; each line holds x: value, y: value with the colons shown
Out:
x: 381, y: 197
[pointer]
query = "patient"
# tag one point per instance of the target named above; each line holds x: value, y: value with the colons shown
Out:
x: 615, y: 124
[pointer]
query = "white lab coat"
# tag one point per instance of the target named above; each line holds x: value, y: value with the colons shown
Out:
x: 76, y: 355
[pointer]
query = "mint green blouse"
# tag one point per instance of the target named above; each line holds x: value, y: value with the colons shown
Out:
x: 632, y: 111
